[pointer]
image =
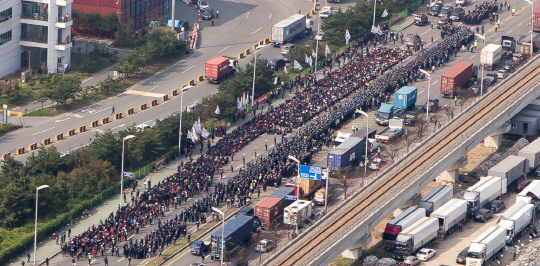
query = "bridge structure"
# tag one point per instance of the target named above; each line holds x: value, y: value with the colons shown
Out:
x: 346, y: 229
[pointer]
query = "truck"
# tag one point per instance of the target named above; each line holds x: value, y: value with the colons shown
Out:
x: 320, y: 196
x: 346, y: 153
x: 294, y: 27
x: 450, y: 215
x: 392, y: 132
x: 490, y: 56
x: 455, y: 78
x: 384, y: 114
x: 297, y: 213
x: 436, y: 198
x: 418, y: 235
x: 508, y: 43
x: 326, y: 12
x: 400, y: 223
x: 237, y: 233
x: 405, y: 98
x: 511, y: 168
x: 526, y: 44
x: 486, y: 247
x: 285, y: 193
x: 269, y: 210
x: 484, y: 191
x: 530, y: 194
x: 532, y: 153
x: 308, y: 187
x: 536, y: 19
x: 218, y: 69
x: 516, y: 219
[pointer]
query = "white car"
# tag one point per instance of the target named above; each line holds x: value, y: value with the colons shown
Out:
x: 319, y: 36
x: 264, y: 245
x: 411, y: 260
x: 203, y: 5
x: 502, y: 73
x: 325, y: 12
x: 425, y: 254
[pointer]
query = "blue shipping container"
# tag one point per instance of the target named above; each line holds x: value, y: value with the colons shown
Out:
x: 282, y: 193
x: 405, y: 97
x: 346, y: 153
x: 236, y: 232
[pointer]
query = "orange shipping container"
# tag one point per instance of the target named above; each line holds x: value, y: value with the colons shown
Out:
x: 269, y: 210
x: 455, y: 77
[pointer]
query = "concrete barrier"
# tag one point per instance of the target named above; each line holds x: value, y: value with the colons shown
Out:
x: 59, y: 137
x: 71, y: 133
x: 142, y: 107
x: 191, y: 82
x: 20, y: 151
x: 104, y: 120
x: 130, y: 111
x: 81, y: 129
x: 32, y: 147
x: 46, y: 141
x: 118, y: 116
x: 255, y: 47
x: 165, y: 98
x: 153, y: 103
x: 240, y: 55
x: 200, y: 78
x: 5, y: 155
x: 94, y: 123
x: 246, y: 52
x: 174, y: 93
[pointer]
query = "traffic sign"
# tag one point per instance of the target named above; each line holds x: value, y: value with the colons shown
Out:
x: 4, y: 114
x: 128, y: 174
x: 290, y: 197
x: 310, y: 172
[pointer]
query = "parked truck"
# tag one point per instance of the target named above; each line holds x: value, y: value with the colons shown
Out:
x: 269, y: 210
x: 236, y: 233
x: 419, y: 235
x: 294, y: 27
x: 536, y: 19
x: 346, y: 153
x: 287, y: 194
x: 400, y: 223
x: 384, y: 114
x: 516, y: 219
x: 218, y: 69
x: 436, y: 198
x: 320, y: 196
x: 532, y: 153
x: 455, y: 78
x: 450, y: 215
x: 405, y: 98
x: 526, y: 44
x: 511, y: 168
x: 531, y: 194
x: 297, y: 213
x: 308, y: 187
x: 508, y: 43
x: 392, y: 132
x: 484, y: 191
x: 490, y: 56
x: 486, y: 247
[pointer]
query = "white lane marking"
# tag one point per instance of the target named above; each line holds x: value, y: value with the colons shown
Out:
x: 119, y: 126
x: 434, y: 82
x: 497, y: 40
x: 208, y: 42
x: 153, y: 88
x: 445, y: 105
x: 121, y: 259
x: 420, y: 92
x: 62, y: 120
x: 509, y: 31
x: 520, y: 24
x: 223, y: 49
x: 472, y: 56
x: 247, y: 15
x: 93, y: 261
x: 168, y: 212
x: 43, y: 131
x: 425, y: 32
x: 188, y: 68
x: 270, y: 16
x: 257, y: 30
x: 96, y: 112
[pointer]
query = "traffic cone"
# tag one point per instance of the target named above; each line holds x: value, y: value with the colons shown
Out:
x: 423, y: 86
x: 437, y: 76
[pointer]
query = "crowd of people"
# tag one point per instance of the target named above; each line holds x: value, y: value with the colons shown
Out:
x: 368, y: 77
x: 487, y: 10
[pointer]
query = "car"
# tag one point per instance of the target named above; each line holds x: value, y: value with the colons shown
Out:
x: 434, y: 10
x: 496, y: 206
x: 521, y: 183
x: 483, y: 215
x: 411, y: 260
x: 208, y: 14
x: 443, y: 22
x: 286, y: 49
x: 433, y: 105
x: 203, y: 5
x: 489, y: 80
x: 376, y: 164
x: 374, y: 145
x: 276, y: 64
x: 199, y: 247
x: 412, y: 40
x: 196, y: 264
x: 264, y: 245
x: 456, y: 14
x: 319, y: 36
x: 462, y: 256
x: 445, y: 11
x: 502, y: 74
x: 509, y: 66
x: 325, y: 12
x: 409, y: 118
x: 425, y: 254
x: 420, y: 19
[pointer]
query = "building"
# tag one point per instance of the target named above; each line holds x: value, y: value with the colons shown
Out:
x: 526, y: 123
x: 35, y: 32
x: 139, y: 12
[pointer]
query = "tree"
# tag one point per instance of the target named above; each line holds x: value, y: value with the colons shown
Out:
x: 392, y: 151
x: 107, y: 147
x: 342, y: 175
x: 421, y: 126
x: 410, y: 138
x: 449, y: 111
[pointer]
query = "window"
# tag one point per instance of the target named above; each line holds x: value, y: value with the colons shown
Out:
x: 6, y: 14
x: 514, y: 125
x: 5, y: 37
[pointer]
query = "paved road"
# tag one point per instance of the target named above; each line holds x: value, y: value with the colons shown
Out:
x: 241, y: 24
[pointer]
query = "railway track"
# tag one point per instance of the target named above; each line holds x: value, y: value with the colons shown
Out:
x: 312, y: 245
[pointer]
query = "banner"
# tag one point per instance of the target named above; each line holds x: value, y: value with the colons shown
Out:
x: 261, y: 99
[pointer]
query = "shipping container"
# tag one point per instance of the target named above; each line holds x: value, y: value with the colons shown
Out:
x: 285, y: 193
x: 484, y: 247
x: 269, y: 210
x: 510, y: 168
x: 217, y: 69
x: 295, y: 26
x: 346, y: 153
x: 436, y: 198
x: 536, y: 19
x: 405, y: 98
x: 532, y: 153
x: 455, y: 77
x: 236, y: 232
x: 491, y: 55
x: 297, y: 213
x: 450, y: 215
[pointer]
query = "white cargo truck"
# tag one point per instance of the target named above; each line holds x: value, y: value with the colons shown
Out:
x: 532, y: 152
x: 484, y: 191
x: 400, y: 223
x: 490, y: 56
x: 486, y: 247
x: 510, y: 168
x: 436, y: 198
x: 449, y: 216
x: 294, y: 27
x: 392, y: 132
x: 516, y: 219
x: 531, y: 193
x: 298, y: 212
x: 420, y: 234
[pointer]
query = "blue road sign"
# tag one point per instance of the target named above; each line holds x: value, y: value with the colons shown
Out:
x: 290, y: 197
x: 4, y: 114
x: 310, y: 172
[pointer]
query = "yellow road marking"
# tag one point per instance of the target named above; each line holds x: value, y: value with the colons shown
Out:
x: 144, y: 93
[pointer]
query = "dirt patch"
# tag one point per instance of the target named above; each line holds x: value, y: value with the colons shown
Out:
x: 475, y: 156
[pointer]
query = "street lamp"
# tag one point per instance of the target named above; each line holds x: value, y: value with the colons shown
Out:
x: 367, y: 140
x: 35, y: 228
x: 532, y: 21
x: 297, y: 188
x: 180, y: 126
x: 428, y: 87
x: 222, y: 231
x: 317, y: 39
x: 254, y: 70
x: 128, y: 137
x: 482, y: 63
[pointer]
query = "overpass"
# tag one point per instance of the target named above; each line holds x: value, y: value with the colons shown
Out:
x: 348, y: 226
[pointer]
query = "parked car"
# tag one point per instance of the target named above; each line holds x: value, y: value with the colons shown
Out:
x: 203, y: 5
x: 462, y: 256
x: 509, y: 66
x: 443, y: 22
x: 412, y: 40
x: 264, y: 245
x: 377, y: 163
x: 325, y: 12
x: 445, y: 11
x: 411, y: 260
x: 434, y: 10
x: 433, y: 105
x: 456, y: 14
x: 496, y: 206
x: 425, y: 254
x: 286, y: 49
x: 276, y: 64
x: 409, y: 118
x: 489, y: 80
x: 319, y: 36
x: 502, y: 74
x: 521, y: 183
x: 483, y: 215
x: 208, y: 14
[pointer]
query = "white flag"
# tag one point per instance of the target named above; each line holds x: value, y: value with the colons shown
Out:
x: 190, y: 136
x: 276, y: 80
x: 285, y: 70
x: 373, y: 29
x: 217, y: 110
x: 379, y: 30
x: 205, y: 133
x: 313, y: 54
x: 308, y: 60
x: 347, y: 36
x: 327, y: 50
x: 238, y: 104
x: 384, y: 14
x: 297, y: 65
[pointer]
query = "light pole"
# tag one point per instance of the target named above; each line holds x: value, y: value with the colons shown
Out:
x: 374, y: 8
x: 35, y: 228
x: 367, y: 140
x: 222, y: 231
x: 482, y: 63
x: 297, y: 188
x: 122, y: 177
x: 428, y: 87
x: 317, y: 47
x: 254, y: 70
x: 180, y: 126
x: 532, y: 21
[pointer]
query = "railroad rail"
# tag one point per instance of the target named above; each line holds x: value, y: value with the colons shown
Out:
x: 310, y: 247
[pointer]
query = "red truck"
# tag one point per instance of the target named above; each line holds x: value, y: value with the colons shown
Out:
x: 218, y: 69
x: 269, y: 210
x: 536, y: 19
x: 456, y: 77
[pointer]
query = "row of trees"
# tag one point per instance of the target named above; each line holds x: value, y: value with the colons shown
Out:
x: 94, y: 22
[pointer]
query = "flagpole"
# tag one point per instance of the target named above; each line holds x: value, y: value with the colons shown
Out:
x: 180, y: 126
x: 374, y: 8
x: 317, y: 49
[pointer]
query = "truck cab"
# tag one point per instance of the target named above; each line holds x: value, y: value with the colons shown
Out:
x: 199, y: 247
x: 508, y: 43
x: 291, y: 185
x: 325, y: 12
x: 384, y: 114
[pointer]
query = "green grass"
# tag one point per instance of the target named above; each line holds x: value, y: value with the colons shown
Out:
x: 81, y: 63
x: 6, y: 128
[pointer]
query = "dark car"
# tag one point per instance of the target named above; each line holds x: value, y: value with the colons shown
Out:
x: 433, y: 105
x: 276, y: 64
x: 509, y: 66
x: 434, y: 10
x: 489, y: 80
x: 412, y: 40
x: 420, y: 19
x: 456, y: 14
x: 445, y: 12
x: 496, y: 206
x: 443, y: 22
x: 409, y: 118
x: 198, y: 247
x: 208, y: 14
x: 462, y: 256
x: 483, y: 215
x: 521, y: 183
